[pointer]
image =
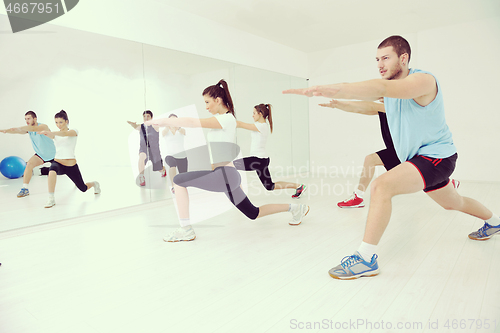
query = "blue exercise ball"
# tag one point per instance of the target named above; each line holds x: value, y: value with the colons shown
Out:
x: 12, y: 167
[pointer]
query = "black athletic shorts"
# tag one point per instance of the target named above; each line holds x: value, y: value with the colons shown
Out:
x: 435, y: 172
x: 389, y: 158
x: 388, y: 155
x: 44, y: 161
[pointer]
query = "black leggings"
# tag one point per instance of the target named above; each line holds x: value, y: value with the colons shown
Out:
x: 180, y: 163
x: 73, y: 172
x: 222, y: 179
x: 260, y: 165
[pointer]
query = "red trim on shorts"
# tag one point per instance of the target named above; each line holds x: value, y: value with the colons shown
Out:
x: 421, y: 175
x: 426, y: 158
x: 439, y: 188
x: 437, y: 161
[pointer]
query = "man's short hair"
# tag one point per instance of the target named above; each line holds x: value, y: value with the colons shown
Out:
x: 31, y: 113
x: 398, y: 43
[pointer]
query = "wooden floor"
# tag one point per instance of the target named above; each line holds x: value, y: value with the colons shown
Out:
x: 119, y: 190
x: 111, y: 272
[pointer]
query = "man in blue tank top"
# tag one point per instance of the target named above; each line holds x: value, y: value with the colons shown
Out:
x: 149, y: 148
x: 43, y: 146
x: 423, y: 142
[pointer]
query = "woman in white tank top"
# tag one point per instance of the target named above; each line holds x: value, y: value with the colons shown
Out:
x: 223, y: 176
x: 65, y: 160
x: 259, y: 159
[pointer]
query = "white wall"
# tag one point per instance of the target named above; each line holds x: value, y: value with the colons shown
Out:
x: 158, y: 24
x: 464, y: 59
x: 98, y: 80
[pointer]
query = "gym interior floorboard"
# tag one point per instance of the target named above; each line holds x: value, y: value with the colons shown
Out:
x: 97, y: 271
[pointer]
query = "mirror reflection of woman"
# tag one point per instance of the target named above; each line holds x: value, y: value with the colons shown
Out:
x: 65, y: 161
x: 176, y: 157
x: 259, y: 159
x: 223, y: 177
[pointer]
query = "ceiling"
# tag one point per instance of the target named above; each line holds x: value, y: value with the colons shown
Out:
x: 316, y: 25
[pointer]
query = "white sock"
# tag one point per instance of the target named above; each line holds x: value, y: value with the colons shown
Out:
x: 359, y: 193
x: 51, y: 195
x: 494, y: 221
x: 367, y: 251
x: 292, y: 207
x: 185, y: 224
x: 25, y: 186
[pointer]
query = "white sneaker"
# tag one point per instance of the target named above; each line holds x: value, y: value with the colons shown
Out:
x: 97, y: 188
x: 51, y: 202
x: 180, y: 235
x: 298, y: 213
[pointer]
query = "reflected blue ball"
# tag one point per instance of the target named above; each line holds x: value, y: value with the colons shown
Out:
x: 12, y: 167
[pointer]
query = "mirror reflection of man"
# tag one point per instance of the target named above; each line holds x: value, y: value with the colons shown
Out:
x: 43, y: 146
x: 149, y: 146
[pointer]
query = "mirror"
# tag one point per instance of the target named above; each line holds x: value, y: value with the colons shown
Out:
x: 103, y: 82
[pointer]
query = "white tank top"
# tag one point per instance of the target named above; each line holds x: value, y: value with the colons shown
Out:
x: 65, y: 146
x: 175, y: 144
x: 259, y: 140
x: 222, y: 142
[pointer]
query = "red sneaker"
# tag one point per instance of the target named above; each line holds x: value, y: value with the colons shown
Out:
x: 456, y: 183
x: 353, y: 202
x: 299, y: 191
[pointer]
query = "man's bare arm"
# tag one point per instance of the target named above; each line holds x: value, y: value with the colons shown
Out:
x: 362, y: 107
x: 412, y: 87
x: 26, y: 129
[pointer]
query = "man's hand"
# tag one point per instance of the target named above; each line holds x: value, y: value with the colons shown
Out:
x: 332, y: 104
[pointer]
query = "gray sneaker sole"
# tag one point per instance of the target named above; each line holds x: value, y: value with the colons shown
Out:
x: 354, y: 277
x: 482, y: 238
x: 356, y: 206
x: 179, y: 240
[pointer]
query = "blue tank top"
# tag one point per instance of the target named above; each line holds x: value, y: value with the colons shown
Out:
x: 419, y: 130
x: 43, y: 146
x: 149, y: 136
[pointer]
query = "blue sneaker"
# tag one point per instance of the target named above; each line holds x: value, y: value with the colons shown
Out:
x: 23, y: 193
x: 484, y: 233
x: 353, y: 267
